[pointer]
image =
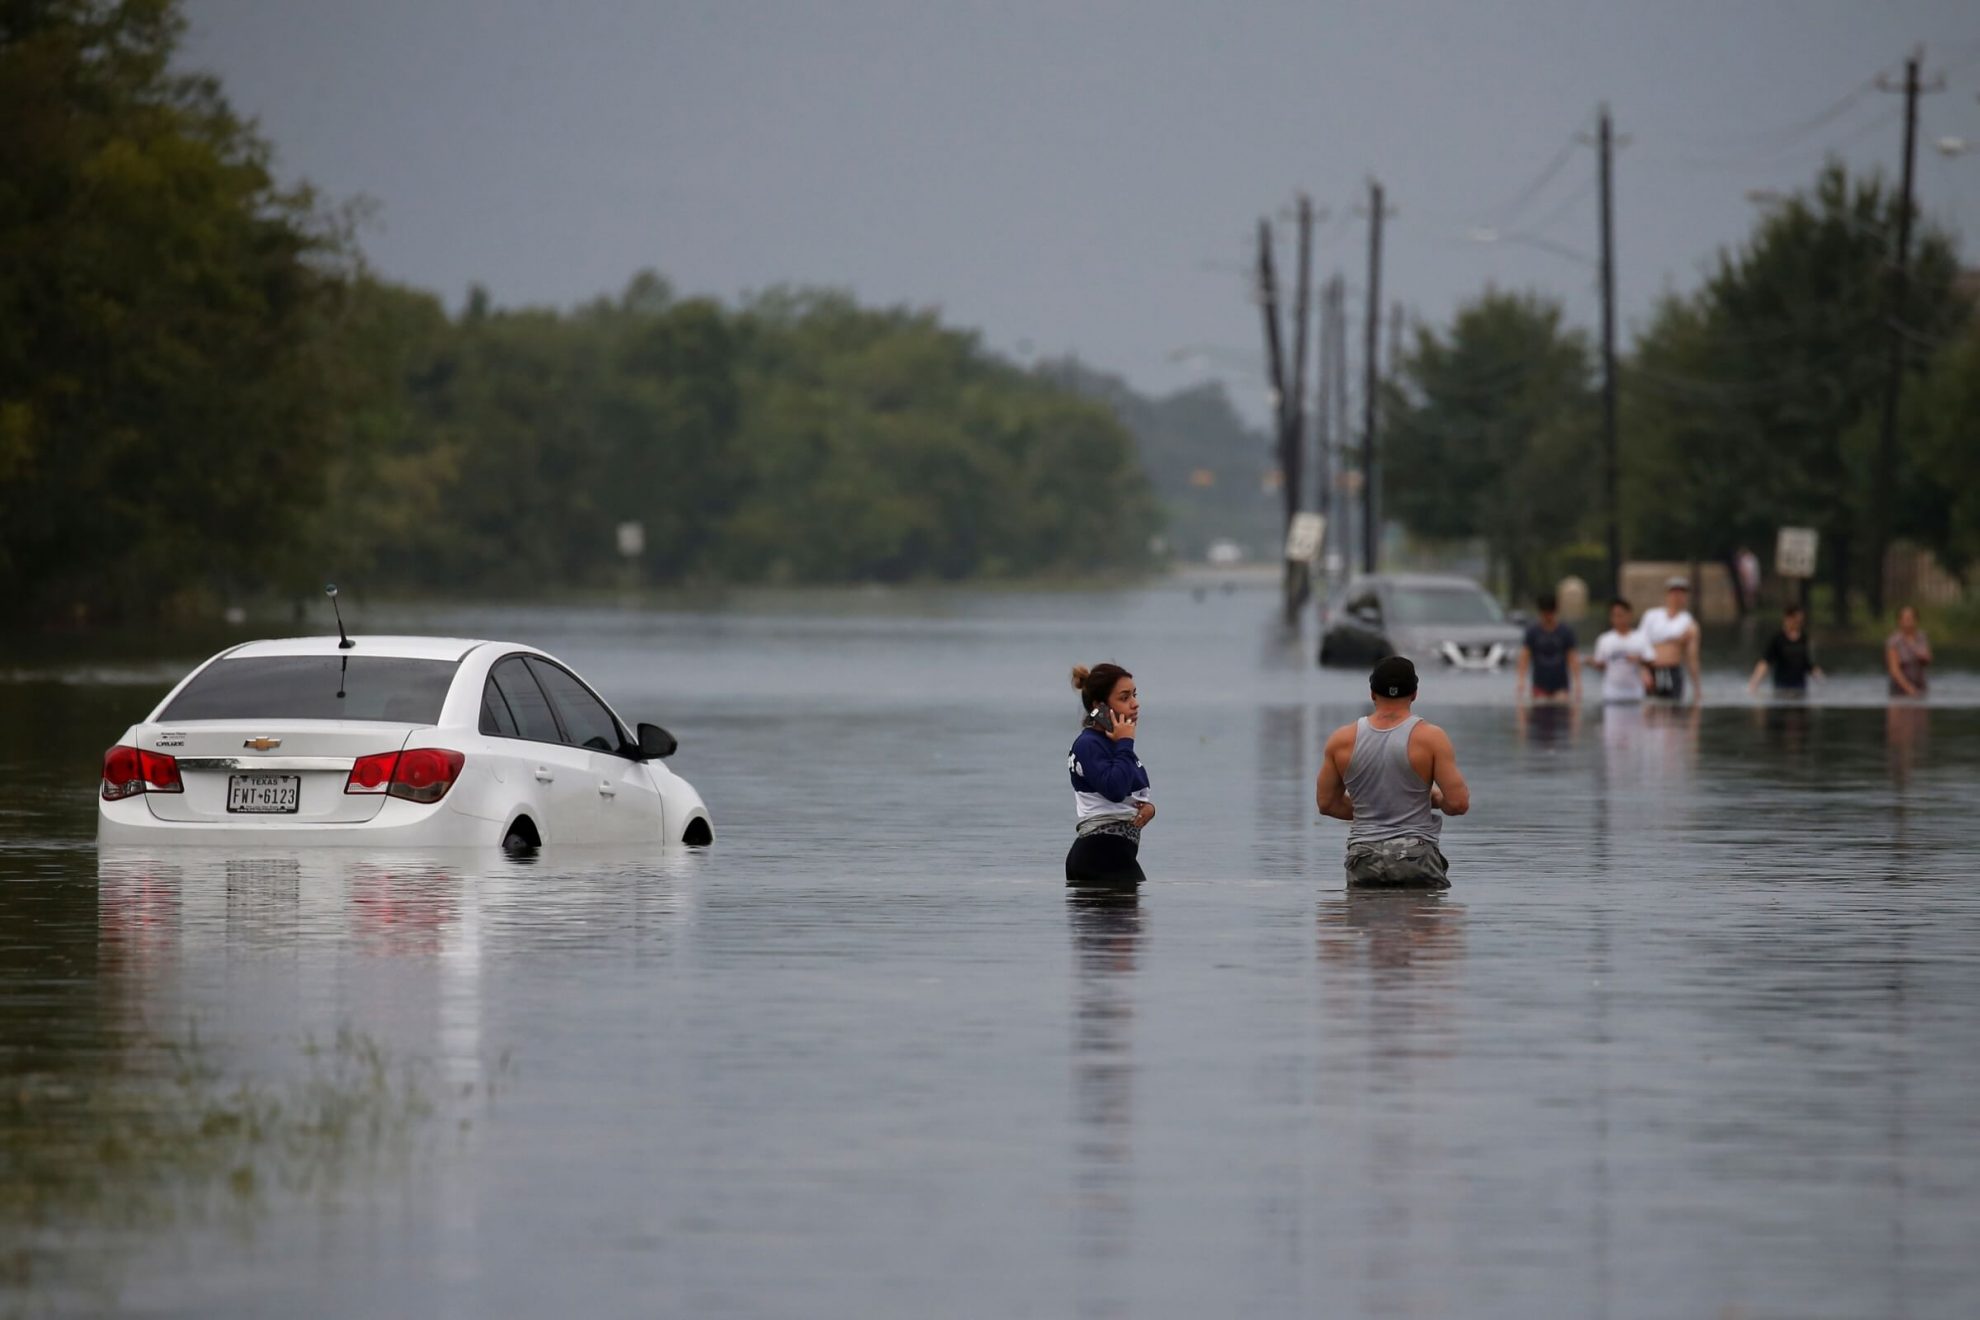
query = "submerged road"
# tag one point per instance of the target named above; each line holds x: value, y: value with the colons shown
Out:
x: 1691, y: 1035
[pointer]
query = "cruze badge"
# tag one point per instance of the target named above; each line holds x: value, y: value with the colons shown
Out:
x: 263, y: 744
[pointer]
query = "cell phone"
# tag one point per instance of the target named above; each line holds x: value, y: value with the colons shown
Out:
x: 1100, y: 717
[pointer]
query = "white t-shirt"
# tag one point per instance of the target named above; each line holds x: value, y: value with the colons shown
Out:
x: 1660, y: 625
x: 1618, y: 653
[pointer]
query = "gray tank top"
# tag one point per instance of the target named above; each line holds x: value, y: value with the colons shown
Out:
x: 1389, y: 800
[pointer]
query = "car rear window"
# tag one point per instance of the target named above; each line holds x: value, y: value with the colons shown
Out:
x: 316, y: 687
x: 1447, y: 605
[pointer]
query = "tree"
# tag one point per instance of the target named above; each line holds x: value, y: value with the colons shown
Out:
x: 160, y: 402
x: 1751, y: 399
x: 1939, y: 476
x: 1206, y: 466
x: 1489, y: 431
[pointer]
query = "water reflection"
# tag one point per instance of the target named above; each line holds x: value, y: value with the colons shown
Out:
x: 1784, y: 725
x: 1283, y: 801
x: 1404, y: 938
x: 1107, y: 935
x: 1907, y: 733
x: 1548, y: 725
x: 1390, y: 964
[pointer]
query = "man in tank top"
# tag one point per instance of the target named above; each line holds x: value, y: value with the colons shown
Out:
x: 1388, y: 775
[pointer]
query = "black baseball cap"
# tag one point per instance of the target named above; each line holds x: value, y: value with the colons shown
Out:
x: 1394, y: 677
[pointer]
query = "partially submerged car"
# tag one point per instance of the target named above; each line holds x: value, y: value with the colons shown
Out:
x: 407, y: 741
x: 1430, y: 618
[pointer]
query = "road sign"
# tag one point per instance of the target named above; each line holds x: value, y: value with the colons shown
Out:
x: 1794, y: 552
x: 1303, y: 538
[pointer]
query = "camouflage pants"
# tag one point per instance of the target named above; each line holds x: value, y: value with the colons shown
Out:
x: 1405, y: 863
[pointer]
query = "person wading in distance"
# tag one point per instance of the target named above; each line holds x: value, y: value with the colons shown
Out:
x: 1111, y: 803
x: 1388, y: 775
x: 1549, y: 666
x: 1673, y: 638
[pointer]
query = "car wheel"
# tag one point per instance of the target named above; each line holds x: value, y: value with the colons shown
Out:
x: 521, y: 839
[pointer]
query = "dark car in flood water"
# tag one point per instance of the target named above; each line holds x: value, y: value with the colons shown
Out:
x: 1431, y: 618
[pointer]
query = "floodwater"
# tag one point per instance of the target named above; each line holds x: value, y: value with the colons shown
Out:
x: 1696, y: 1032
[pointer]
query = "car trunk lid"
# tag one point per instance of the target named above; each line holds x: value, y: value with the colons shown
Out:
x: 243, y: 771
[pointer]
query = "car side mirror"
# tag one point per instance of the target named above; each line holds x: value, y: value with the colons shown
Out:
x: 655, y: 743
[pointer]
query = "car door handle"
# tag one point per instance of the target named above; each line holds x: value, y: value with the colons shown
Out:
x: 543, y: 775
x: 605, y: 789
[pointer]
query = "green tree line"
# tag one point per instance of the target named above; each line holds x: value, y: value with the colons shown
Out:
x: 204, y: 395
x: 1749, y: 403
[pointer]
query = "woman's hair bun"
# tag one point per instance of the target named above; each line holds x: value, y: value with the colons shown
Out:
x: 1079, y: 676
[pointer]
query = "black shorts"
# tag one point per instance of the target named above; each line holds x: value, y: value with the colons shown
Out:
x: 1104, y: 861
x: 1667, y: 681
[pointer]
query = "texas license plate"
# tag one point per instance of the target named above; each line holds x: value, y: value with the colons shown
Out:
x: 264, y: 793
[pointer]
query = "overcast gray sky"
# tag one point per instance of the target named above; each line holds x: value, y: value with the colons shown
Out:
x: 1073, y: 177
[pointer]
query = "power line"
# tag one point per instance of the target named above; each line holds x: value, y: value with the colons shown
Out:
x: 1782, y: 134
x: 1561, y: 209
x: 1504, y: 215
x: 1762, y: 157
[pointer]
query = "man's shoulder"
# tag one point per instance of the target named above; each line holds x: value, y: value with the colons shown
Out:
x: 1432, y: 734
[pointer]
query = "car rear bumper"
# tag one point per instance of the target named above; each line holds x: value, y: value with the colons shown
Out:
x: 398, y: 823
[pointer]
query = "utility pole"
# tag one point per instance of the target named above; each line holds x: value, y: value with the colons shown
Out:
x: 1336, y: 502
x: 1292, y: 431
x: 1323, y: 424
x: 1611, y: 476
x: 1327, y: 410
x: 1371, y: 531
x: 1275, y: 366
x: 1883, y: 486
x: 1268, y: 304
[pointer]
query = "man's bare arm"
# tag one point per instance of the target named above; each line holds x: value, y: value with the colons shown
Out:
x: 1329, y: 789
x: 1445, y: 775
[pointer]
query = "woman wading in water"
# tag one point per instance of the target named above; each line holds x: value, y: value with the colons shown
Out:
x: 1110, y: 787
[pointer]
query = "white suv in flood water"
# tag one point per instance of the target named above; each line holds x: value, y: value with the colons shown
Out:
x: 416, y: 741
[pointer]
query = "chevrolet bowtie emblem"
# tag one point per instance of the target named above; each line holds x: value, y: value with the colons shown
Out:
x: 263, y: 744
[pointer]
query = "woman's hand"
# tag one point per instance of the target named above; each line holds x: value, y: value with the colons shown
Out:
x: 1143, y: 813
x: 1123, y: 727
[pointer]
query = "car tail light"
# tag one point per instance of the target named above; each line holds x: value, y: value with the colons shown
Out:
x: 129, y: 771
x: 424, y: 774
x: 371, y: 774
x: 418, y: 774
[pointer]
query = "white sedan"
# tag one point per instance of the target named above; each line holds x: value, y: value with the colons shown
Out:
x: 420, y: 741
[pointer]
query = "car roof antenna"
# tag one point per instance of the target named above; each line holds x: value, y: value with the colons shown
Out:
x: 344, y: 642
